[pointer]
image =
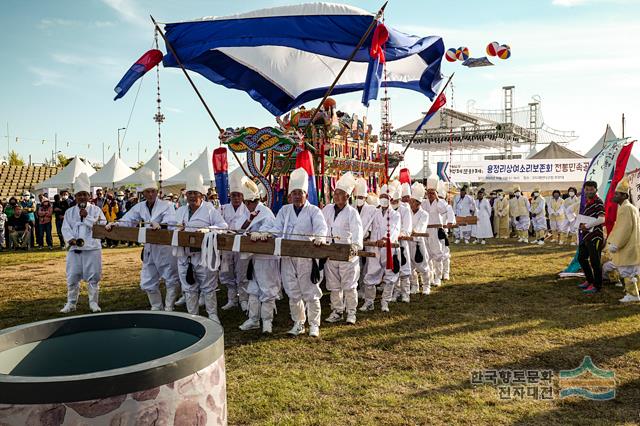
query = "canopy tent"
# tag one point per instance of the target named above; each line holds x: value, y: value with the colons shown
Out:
x: 554, y: 150
x: 67, y: 176
x: 201, y: 165
x: 112, y: 172
x: 286, y: 56
x: 606, y: 138
x: 168, y: 170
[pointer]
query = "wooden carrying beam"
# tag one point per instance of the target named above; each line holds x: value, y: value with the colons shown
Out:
x: 290, y: 248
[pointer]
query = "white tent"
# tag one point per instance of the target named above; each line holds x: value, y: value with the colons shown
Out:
x: 112, y: 172
x: 168, y: 170
x: 65, y: 178
x: 202, y: 165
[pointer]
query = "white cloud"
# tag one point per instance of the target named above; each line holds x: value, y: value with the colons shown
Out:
x: 45, y: 77
x: 128, y: 11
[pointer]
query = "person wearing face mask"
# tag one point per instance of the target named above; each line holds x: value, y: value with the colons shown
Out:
x: 571, y: 210
x: 28, y: 205
x: 557, y: 219
x: 435, y: 207
x: 520, y: 211
x: 449, y: 221
x: 264, y: 282
x: 501, y: 213
x: 418, y: 254
x: 463, y: 205
x: 233, y: 270
x: 385, y: 220
x: 343, y: 222
x: 400, y: 193
x: 482, y: 230
x: 537, y: 210
x: 366, y: 212
x: 121, y: 205
x: 45, y: 213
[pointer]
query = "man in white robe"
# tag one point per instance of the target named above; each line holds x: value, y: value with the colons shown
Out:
x: 539, y: 220
x: 435, y: 207
x: 301, y: 220
x: 366, y: 212
x: 195, y: 277
x: 385, y: 228
x: 399, y: 202
x: 233, y: 270
x: 345, y: 226
x: 520, y: 211
x: 264, y: 270
x: 418, y: 253
x: 482, y: 230
x: 84, y: 258
x: 463, y: 205
x: 157, y: 260
x: 448, y: 222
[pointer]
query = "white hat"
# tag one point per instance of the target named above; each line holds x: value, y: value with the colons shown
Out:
x: 384, y: 189
x: 417, y: 191
x: 195, y: 183
x: 346, y: 183
x: 235, y: 182
x: 405, y: 189
x: 147, y: 179
x: 299, y: 179
x: 395, y: 190
x: 432, y: 183
x: 361, y: 188
x: 82, y: 183
x: 263, y: 190
x: 250, y: 190
x: 373, y: 200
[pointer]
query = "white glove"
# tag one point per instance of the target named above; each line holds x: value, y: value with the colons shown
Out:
x: 264, y: 236
x: 109, y: 226
x: 255, y: 236
x: 613, y: 248
x: 318, y: 241
x: 155, y: 226
x: 203, y: 230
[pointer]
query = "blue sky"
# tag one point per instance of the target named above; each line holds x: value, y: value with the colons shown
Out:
x: 61, y: 60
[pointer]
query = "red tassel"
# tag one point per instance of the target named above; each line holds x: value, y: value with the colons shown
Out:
x: 389, y: 255
x: 220, y: 160
x: 405, y: 176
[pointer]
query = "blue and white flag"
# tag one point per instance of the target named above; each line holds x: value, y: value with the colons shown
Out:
x: 286, y: 56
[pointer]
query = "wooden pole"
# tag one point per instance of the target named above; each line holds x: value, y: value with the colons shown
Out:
x: 416, y: 132
x: 195, y: 89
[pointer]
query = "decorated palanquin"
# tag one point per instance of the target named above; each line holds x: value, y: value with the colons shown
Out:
x: 333, y: 143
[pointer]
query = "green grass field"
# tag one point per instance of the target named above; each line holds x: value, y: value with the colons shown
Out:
x: 503, y: 309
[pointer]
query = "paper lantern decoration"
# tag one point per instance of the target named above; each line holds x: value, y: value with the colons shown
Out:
x: 450, y: 55
x: 492, y: 48
x: 462, y: 54
x: 504, y: 52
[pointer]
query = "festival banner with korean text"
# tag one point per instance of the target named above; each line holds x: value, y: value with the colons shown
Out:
x: 549, y: 170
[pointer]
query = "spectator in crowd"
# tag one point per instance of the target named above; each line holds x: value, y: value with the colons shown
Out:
x: 64, y: 196
x: 110, y: 210
x: 45, y: 213
x: 3, y: 222
x: 19, y: 227
x: 120, y: 200
x: 99, y: 200
x: 182, y: 200
x: 59, y: 207
x: 132, y: 200
x: 28, y: 205
x: 8, y: 210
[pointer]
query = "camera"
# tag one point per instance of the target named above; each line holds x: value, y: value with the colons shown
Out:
x: 79, y: 242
